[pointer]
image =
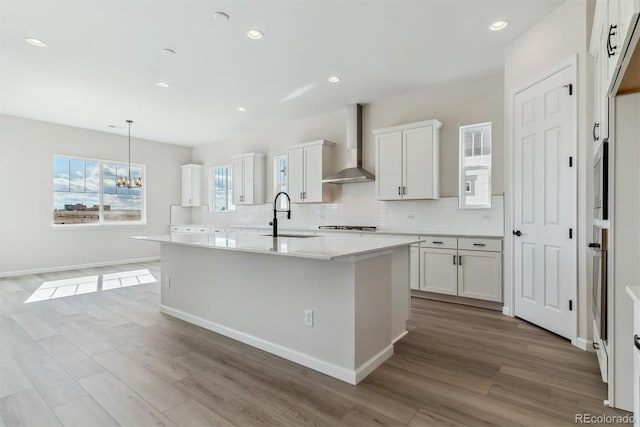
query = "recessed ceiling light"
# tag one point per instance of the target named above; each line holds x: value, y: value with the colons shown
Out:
x: 241, y: 109
x: 112, y: 126
x: 221, y: 17
x: 168, y: 51
x: 334, y: 79
x: 498, y: 25
x: 35, y: 42
x: 162, y: 84
x: 254, y: 34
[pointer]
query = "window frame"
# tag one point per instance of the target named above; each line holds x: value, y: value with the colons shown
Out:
x: 101, y: 222
x: 462, y: 193
x: 212, y: 189
x: 276, y: 180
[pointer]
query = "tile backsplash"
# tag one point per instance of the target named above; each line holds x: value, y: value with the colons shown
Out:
x: 355, y: 204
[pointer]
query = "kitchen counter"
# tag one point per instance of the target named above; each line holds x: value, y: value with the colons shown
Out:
x: 381, y: 232
x: 322, y: 247
x: 334, y: 303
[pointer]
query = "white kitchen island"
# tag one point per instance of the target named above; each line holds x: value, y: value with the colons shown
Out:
x: 256, y: 289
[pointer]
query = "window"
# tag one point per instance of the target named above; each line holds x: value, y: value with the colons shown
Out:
x: 221, y: 185
x: 85, y: 192
x: 280, y: 181
x: 475, y: 166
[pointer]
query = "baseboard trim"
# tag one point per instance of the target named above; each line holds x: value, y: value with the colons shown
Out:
x: 347, y: 375
x: 76, y: 267
x: 584, y: 344
x: 399, y: 337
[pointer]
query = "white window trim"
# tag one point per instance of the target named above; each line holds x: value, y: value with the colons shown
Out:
x: 212, y: 189
x: 101, y: 223
x: 461, y: 169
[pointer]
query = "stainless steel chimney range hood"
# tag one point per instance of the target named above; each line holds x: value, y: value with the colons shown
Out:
x: 354, y: 171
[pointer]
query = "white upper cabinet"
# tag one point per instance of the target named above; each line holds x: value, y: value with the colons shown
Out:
x: 613, y: 38
x: 407, y: 159
x: 308, y: 164
x: 248, y: 179
x: 191, y: 185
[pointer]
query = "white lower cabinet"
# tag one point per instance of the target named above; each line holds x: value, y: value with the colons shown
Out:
x: 480, y: 275
x: 465, y: 267
x: 438, y: 271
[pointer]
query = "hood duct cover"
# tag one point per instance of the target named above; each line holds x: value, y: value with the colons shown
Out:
x: 354, y: 171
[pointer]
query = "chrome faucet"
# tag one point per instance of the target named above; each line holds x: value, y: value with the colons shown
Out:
x: 274, y: 223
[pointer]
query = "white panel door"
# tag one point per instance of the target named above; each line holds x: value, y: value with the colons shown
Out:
x: 544, y: 199
x: 248, y: 172
x: 480, y: 275
x: 313, y: 174
x: 296, y: 174
x: 438, y: 271
x: 389, y: 166
x: 417, y: 152
x: 237, y: 185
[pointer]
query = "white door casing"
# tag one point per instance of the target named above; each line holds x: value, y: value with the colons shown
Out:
x: 544, y: 200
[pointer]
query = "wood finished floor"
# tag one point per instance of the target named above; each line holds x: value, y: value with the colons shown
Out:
x: 110, y: 358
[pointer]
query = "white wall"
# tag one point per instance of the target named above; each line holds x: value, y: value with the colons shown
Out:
x: 562, y: 34
x: 27, y: 239
x: 453, y: 103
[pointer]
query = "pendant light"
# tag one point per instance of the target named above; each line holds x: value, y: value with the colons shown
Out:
x: 125, y: 181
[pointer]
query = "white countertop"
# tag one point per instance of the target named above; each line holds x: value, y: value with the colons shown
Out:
x: 634, y: 293
x: 322, y: 247
x: 377, y: 232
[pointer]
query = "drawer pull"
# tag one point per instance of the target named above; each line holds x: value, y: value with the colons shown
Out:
x: 437, y: 243
x: 479, y: 244
x: 636, y: 341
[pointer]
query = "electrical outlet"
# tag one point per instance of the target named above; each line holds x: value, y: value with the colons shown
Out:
x: 308, y: 317
x: 167, y: 281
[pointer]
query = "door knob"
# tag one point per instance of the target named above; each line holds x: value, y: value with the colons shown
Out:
x: 517, y: 233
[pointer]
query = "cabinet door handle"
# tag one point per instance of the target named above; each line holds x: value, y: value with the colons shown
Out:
x: 593, y: 132
x: 399, y: 191
x: 454, y: 260
x: 459, y: 259
x: 611, y: 50
x: 479, y: 244
x: 436, y: 243
x: 636, y: 341
x: 301, y: 196
x: 404, y: 190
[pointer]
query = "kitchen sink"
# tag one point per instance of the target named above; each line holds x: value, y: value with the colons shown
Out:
x: 300, y: 236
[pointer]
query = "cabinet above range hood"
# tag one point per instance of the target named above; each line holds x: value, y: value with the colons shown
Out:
x: 354, y: 172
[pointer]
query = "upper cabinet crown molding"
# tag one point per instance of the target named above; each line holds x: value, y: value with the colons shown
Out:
x: 248, y: 179
x: 308, y: 164
x: 191, y: 185
x: 407, y: 161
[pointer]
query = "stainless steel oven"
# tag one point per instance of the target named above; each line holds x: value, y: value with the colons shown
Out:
x: 601, y: 182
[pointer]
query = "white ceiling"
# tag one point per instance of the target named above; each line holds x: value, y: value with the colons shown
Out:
x: 103, y: 58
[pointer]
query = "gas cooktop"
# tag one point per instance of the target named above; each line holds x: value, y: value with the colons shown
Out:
x: 349, y: 227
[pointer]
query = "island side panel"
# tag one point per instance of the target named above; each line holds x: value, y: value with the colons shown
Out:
x: 400, y: 293
x: 264, y: 297
x: 373, y: 309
